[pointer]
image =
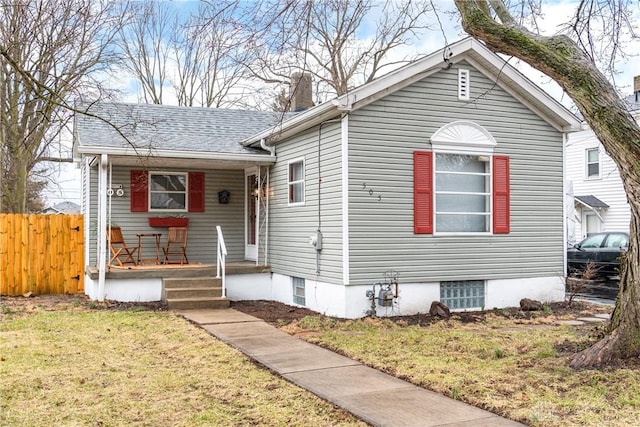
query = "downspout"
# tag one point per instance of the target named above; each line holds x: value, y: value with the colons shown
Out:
x: 564, y: 203
x: 319, y: 153
x: 102, y: 222
x: 270, y: 148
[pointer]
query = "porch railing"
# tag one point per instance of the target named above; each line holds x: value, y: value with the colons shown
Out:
x: 221, y: 260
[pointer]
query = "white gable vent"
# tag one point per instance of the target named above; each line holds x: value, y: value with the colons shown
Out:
x: 463, y: 85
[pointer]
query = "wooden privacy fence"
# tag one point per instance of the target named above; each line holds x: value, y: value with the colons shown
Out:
x: 41, y: 254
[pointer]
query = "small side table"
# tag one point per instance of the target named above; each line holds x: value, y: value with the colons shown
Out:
x: 155, y: 260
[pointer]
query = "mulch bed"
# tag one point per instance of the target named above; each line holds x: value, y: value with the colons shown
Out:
x: 275, y: 312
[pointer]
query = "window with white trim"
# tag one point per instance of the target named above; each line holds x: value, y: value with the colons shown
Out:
x: 298, y: 288
x: 461, y: 185
x: 462, y: 193
x: 296, y: 181
x: 593, y: 163
x: 168, y: 191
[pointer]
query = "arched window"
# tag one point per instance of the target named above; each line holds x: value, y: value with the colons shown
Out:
x: 461, y: 186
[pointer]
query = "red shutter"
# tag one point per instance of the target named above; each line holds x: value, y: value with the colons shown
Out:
x: 501, y: 196
x: 139, y: 191
x: 422, y: 192
x: 196, y: 191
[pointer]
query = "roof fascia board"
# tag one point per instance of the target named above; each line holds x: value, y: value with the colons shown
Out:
x: 361, y: 96
x: 176, y: 154
x: 305, y: 120
x: 466, y: 49
x: 556, y: 115
x: 406, y: 75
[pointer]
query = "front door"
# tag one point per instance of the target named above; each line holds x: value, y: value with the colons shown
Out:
x: 251, y: 215
x: 591, y: 224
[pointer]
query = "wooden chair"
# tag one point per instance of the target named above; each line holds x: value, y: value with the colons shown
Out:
x: 175, y: 252
x: 120, y: 252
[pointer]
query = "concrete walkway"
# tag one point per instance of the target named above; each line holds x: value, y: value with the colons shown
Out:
x: 375, y: 397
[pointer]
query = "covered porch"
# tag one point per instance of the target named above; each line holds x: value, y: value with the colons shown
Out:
x: 229, y: 226
x: 144, y: 164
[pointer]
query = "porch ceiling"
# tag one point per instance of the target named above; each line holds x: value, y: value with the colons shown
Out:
x: 184, y: 163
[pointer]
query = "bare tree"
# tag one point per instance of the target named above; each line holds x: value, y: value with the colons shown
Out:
x: 343, y: 43
x: 569, y: 58
x: 197, y: 56
x: 49, y: 49
x: 210, y: 54
x: 145, y: 42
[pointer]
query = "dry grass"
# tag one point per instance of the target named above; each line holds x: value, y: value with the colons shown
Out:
x: 81, y: 367
x: 513, y: 368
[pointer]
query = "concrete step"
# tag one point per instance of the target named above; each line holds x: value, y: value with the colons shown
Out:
x: 197, y: 303
x: 191, y: 282
x: 192, y: 292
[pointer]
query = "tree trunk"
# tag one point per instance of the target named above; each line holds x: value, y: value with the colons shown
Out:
x: 562, y: 59
x: 623, y: 340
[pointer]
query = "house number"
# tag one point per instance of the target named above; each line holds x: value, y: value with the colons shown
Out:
x: 364, y: 186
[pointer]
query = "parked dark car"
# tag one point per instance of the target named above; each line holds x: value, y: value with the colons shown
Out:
x: 603, y: 249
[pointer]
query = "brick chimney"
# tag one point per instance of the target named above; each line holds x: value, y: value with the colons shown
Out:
x: 300, y: 92
x: 636, y: 88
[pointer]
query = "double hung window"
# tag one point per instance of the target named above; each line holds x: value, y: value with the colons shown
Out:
x: 168, y: 191
x: 296, y: 182
x: 461, y: 186
x: 593, y: 163
x: 462, y: 193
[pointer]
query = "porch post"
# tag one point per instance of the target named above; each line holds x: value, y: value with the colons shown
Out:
x: 266, y: 216
x: 102, y: 224
x: 257, y: 220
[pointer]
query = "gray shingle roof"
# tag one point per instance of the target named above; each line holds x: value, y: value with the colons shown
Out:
x: 163, y: 127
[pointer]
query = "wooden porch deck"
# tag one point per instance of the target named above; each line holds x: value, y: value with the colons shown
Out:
x: 147, y: 271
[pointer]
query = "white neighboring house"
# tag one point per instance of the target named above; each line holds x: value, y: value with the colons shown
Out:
x: 596, y: 198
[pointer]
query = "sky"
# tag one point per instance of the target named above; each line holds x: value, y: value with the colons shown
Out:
x: 66, y: 181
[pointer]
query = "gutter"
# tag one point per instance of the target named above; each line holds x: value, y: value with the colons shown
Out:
x: 305, y: 120
x: 177, y: 154
x: 270, y: 148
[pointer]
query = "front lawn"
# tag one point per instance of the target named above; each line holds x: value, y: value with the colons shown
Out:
x: 79, y: 366
x: 512, y: 364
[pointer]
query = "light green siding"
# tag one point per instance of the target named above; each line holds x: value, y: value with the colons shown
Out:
x: 290, y: 252
x: 202, y: 240
x: 382, y: 139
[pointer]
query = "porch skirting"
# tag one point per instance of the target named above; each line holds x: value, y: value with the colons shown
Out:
x: 144, y: 284
x: 126, y: 290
